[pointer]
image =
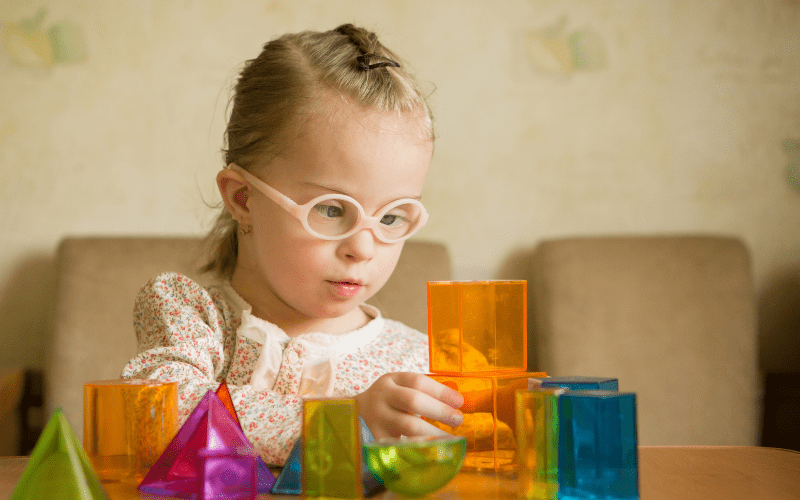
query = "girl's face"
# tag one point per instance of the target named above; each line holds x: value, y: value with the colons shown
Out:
x: 305, y: 283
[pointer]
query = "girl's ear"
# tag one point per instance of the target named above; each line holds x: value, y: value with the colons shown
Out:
x: 235, y: 194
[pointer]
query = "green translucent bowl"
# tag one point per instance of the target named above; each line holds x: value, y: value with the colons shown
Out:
x: 415, y: 466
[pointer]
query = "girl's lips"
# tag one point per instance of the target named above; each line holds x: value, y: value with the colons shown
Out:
x: 346, y: 289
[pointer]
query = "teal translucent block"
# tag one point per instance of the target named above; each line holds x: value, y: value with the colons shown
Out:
x: 415, y: 466
x: 576, y: 383
x: 537, y: 443
x: 597, y: 454
x: 288, y: 481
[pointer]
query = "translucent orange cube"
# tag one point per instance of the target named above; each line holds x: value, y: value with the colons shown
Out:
x: 127, y: 424
x: 489, y: 417
x: 477, y: 326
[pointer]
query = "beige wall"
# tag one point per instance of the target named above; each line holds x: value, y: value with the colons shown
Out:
x: 680, y: 130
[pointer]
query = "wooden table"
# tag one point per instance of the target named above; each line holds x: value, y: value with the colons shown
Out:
x: 665, y: 472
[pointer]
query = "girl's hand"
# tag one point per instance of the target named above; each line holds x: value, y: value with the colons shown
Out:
x: 392, y: 405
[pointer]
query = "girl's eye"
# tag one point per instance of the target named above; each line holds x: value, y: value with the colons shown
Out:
x: 329, y: 209
x: 393, y: 221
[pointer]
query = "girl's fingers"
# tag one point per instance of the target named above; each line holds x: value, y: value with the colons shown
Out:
x: 416, y: 402
x: 411, y: 425
x: 430, y: 387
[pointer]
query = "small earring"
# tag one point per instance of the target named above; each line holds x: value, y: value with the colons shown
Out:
x: 245, y: 229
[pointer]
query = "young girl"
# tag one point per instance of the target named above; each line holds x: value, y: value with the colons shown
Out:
x: 328, y: 145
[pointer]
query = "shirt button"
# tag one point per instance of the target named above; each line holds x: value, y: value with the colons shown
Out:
x: 292, y: 358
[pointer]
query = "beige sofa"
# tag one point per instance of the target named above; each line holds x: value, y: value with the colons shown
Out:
x: 671, y: 317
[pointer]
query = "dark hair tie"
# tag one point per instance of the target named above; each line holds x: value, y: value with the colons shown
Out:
x: 363, y: 62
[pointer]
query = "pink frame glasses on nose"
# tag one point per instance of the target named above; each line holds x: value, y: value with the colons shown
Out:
x: 300, y: 212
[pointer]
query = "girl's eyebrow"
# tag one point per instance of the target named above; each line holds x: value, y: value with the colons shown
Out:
x: 338, y: 191
x: 322, y: 186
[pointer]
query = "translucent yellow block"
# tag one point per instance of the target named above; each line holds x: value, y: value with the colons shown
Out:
x: 477, y: 326
x: 331, y: 449
x: 127, y: 424
x: 537, y: 443
x: 489, y: 418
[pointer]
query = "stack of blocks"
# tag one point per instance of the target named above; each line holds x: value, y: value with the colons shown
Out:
x: 477, y: 333
x: 577, y: 440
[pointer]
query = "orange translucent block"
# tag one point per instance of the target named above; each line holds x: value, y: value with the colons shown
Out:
x: 477, y: 326
x: 489, y: 417
x: 127, y: 424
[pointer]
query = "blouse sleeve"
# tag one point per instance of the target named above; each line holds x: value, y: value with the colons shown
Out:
x: 181, y: 338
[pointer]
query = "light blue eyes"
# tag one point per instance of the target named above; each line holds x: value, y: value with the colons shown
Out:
x: 330, y: 211
x: 333, y: 211
x: 393, y: 221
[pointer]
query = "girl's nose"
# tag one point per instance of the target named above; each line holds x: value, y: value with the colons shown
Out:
x: 358, y: 247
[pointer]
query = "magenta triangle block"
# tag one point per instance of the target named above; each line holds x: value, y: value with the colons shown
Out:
x: 181, y: 470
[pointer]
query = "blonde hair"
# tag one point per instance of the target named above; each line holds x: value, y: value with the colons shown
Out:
x: 280, y: 88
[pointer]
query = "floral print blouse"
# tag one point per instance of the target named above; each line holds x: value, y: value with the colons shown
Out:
x: 195, y: 336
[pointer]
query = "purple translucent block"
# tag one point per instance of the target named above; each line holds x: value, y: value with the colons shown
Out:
x: 180, y: 470
x: 229, y: 474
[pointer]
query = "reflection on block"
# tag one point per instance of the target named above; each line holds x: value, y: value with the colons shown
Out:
x: 489, y: 417
x: 576, y: 383
x: 597, y: 456
x: 331, y: 449
x: 229, y: 473
x: 477, y: 326
x: 537, y: 442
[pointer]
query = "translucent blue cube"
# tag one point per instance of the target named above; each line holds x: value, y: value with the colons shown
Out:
x: 575, y: 383
x: 597, y: 455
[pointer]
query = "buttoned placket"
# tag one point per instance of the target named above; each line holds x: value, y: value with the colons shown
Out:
x: 304, y: 365
x: 288, y: 378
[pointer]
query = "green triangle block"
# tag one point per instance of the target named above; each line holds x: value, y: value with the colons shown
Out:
x: 59, y: 468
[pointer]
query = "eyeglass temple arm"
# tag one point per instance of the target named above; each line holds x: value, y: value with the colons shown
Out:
x: 281, y: 199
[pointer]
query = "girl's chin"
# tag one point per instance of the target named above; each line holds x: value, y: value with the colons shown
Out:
x: 344, y: 319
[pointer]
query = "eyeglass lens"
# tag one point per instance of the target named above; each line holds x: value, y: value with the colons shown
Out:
x: 335, y: 216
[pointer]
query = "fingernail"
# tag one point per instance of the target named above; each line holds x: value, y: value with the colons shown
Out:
x: 456, y: 419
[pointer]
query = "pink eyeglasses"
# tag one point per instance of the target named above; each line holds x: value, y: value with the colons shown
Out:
x: 337, y: 216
